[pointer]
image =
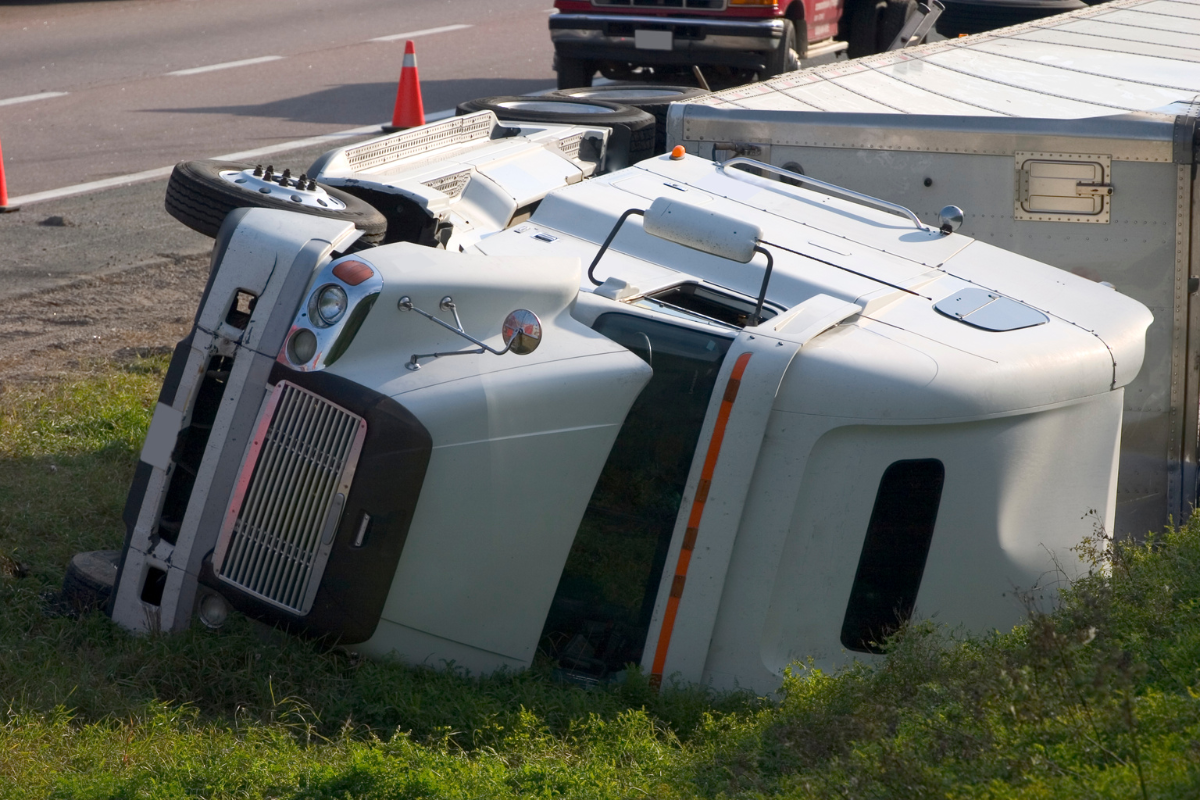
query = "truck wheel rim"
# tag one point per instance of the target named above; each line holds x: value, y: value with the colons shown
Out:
x: 316, y: 198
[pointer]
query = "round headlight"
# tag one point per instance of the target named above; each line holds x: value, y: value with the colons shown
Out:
x: 331, y: 304
x: 302, y: 347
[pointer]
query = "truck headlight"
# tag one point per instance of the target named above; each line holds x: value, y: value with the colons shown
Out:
x: 302, y: 347
x: 330, y: 305
x: 328, y: 318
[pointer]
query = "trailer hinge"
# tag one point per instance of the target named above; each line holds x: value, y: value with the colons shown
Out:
x: 1184, y: 139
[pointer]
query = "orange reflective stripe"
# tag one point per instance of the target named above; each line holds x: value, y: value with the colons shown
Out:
x: 693, y: 528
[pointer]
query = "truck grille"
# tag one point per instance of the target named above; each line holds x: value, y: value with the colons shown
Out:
x: 289, y: 498
x: 452, y: 184
x: 407, y: 145
x: 702, y: 5
x: 569, y: 146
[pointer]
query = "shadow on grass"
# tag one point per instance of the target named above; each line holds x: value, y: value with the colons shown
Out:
x: 54, y: 506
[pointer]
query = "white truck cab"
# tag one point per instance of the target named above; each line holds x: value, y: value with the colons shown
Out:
x: 449, y: 182
x: 682, y: 416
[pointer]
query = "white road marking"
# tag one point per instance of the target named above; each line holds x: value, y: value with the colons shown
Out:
x: 227, y: 65
x: 162, y: 172
x: 415, y: 34
x: 29, y: 98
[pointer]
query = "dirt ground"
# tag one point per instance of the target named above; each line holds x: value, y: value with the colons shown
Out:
x: 120, y: 314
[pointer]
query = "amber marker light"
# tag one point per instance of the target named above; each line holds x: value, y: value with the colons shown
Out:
x: 352, y: 273
x: 677, y: 152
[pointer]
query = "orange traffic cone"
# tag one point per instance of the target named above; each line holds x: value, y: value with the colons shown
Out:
x: 409, y: 111
x: 4, y: 206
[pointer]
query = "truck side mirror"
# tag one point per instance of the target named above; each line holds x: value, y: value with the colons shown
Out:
x: 521, y: 331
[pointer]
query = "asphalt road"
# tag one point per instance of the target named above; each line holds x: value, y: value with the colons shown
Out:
x: 87, y: 94
x: 100, y: 89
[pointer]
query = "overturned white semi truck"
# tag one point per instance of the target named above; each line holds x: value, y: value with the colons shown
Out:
x: 1071, y: 140
x: 680, y: 416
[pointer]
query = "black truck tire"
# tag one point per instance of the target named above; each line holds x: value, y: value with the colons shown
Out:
x: 573, y: 73
x: 891, y: 22
x: 785, y: 58
x: 864, y: 27
x: 200, y: 198
x: 89, y: 581
x: 652, y: 98
x: 632, y: 129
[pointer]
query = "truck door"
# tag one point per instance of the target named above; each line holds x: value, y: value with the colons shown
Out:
x: 601, y: 611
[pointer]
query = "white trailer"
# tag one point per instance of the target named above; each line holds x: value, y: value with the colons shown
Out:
x: 1071, y: 140
x: 762, y: 423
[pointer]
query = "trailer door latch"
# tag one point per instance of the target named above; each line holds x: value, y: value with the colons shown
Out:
x: 1063, y: 187
x: 1090, y: 188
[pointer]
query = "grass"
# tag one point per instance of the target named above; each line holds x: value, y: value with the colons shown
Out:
x: 1100, y: 698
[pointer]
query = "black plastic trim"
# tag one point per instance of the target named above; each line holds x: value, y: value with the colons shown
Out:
x: 224, y: 237
x: 387, y: 484
x: 179, y: 358
x: 141, y: 474
x: 894, y: 552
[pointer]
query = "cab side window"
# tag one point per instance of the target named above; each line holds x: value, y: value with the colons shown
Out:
x: 894, y: 553
x: 601, y: 611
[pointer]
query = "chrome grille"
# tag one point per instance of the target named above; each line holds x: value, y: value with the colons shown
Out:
x: 569, y: 146
x: 284, y: 513
x: 454, y: 131
x: 451, y: 184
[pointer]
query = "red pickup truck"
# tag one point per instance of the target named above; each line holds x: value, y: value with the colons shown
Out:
x: 736, y: 39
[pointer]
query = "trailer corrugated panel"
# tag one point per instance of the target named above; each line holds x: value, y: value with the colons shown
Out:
x: 1128, y: 55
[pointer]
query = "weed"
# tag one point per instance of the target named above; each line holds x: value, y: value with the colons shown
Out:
x: 1099, y: 697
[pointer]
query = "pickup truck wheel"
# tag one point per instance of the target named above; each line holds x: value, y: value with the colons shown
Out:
x: 864, y: 27
x: 573, y: 72
x: 785, y: 58
x: 201, y: 194
x: 891, y: 22
x: 633, y: 129
x: 652, y: 98
x: 89, y: 580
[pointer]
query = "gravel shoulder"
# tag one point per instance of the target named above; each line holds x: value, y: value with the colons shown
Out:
x: 103, y: 276
x: 119, y: 314
x: 87, y: 279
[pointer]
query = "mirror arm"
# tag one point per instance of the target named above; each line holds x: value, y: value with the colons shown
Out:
x: 762, y: 293
x: 405, y: 304
x: 414, y: 363
x: 611, y: 235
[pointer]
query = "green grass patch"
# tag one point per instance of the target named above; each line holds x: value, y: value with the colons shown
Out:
x: 1100, y: 698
